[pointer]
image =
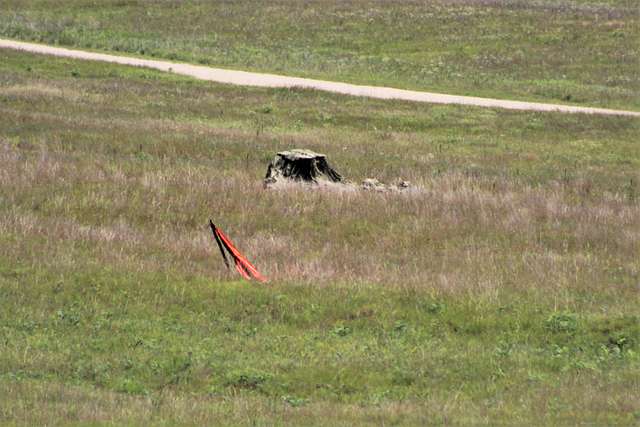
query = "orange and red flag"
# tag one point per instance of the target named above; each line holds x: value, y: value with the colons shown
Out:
x: 244, y: 267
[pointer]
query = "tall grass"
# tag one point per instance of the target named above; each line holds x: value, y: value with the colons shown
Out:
x: 501, y: 286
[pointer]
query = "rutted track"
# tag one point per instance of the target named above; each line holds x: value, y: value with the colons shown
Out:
x: 271, y: 80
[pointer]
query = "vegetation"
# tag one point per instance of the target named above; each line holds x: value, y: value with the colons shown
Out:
x: 583, y: 52
x: 502, y: 288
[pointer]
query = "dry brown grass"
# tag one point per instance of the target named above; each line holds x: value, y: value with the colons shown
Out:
x: 452, y: 232
x: 49, y: 404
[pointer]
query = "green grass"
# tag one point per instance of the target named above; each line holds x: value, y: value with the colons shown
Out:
x: 581, y: 52
x: 150, y: 334
x: 502, y: 290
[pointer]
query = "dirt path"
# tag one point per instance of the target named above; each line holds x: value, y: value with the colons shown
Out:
x: 271, y: 80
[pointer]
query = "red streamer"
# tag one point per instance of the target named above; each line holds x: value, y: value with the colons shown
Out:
x: 242, y: 264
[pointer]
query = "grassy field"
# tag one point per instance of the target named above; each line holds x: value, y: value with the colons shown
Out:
x: 502, y: 289
x: 580, y: 52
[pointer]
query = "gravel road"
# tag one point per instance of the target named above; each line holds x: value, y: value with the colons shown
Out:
x: 271, y: 80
